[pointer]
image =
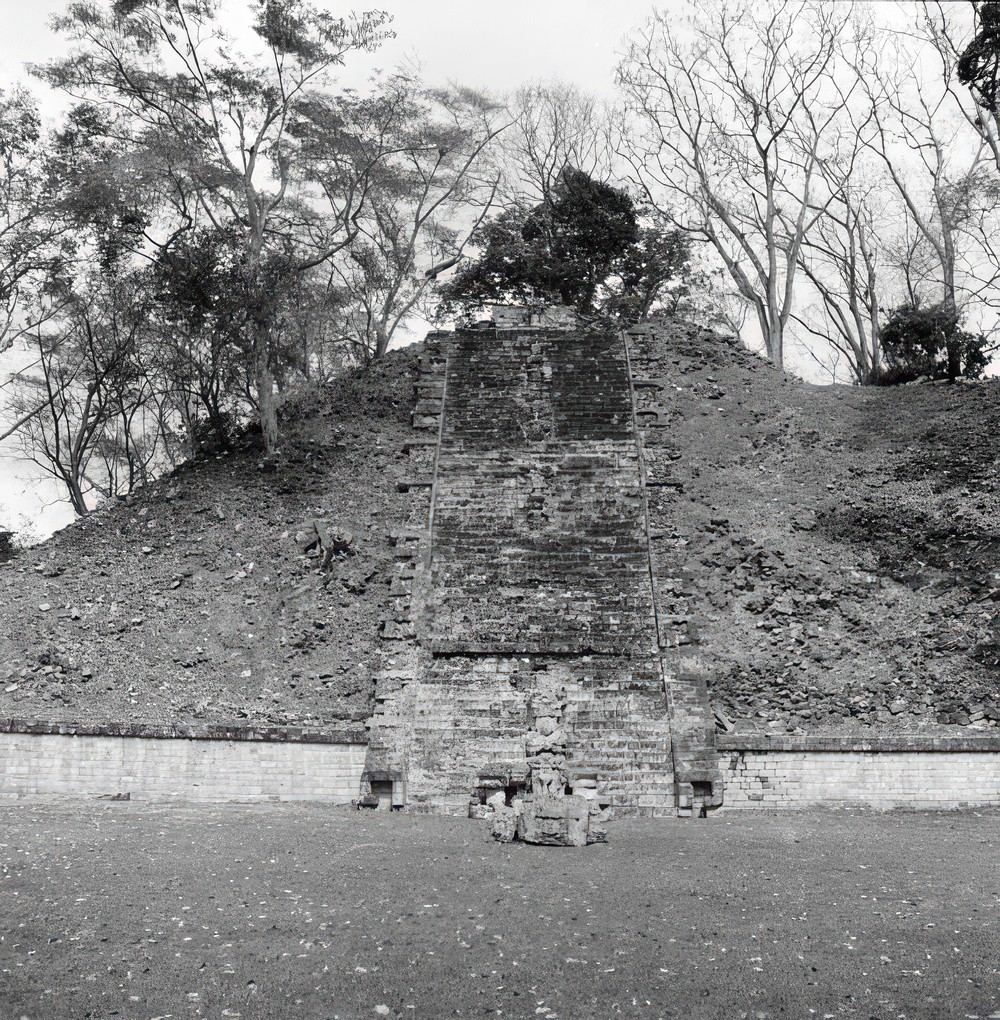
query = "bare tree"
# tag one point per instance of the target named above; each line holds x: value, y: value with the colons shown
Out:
x: 731, y: 113
x: 844, y: 259
x: 555, y: 125
x: 937, y: 164
x: 969, y: 59
x: 429, y: 197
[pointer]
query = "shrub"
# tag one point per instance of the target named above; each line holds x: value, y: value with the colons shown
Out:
x: 930, y: 343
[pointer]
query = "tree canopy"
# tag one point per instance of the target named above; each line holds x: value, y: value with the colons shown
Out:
x: 583, y: 247
x: 930, y: 342
x: 979, y: 65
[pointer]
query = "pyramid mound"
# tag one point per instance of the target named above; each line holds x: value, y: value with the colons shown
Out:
x: 831, y: 554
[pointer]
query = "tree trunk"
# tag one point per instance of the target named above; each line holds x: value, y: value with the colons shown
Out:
x: 770, y: 329
x: 952, y: 345
x: 777, y: 347
x: 381, y: 340
x: 75, y: 490
x: 265, y: 387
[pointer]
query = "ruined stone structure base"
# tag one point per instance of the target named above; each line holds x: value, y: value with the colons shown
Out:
x: 523, y: 646
x: 191, y: 763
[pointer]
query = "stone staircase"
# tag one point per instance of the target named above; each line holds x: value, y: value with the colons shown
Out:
x: 697, y: 774
x: 526, y: 563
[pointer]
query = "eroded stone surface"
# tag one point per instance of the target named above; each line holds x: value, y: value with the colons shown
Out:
x: 527, y: 640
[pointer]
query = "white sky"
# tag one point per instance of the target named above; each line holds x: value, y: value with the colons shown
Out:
x: 492, y: 45
x: 495, y: 46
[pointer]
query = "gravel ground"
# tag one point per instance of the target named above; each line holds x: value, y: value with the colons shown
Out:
x: 137, y: 911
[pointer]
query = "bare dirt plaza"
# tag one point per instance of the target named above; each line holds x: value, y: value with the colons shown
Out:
x: 291, y: 911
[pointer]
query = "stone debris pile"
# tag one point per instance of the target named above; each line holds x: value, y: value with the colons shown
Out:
x: 319, y: 538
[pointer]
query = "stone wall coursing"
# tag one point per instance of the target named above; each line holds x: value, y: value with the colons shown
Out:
x: 532, y: 575
x: 400, y: 660
x: 883, y: 773
x: 685, y: 674
x: 351, y: 734
x: 474, y: 716
x: 151, y: 768
x: 539, y: 539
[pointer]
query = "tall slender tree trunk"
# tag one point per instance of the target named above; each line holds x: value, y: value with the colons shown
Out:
x: 381, y: 339
x: 952, y: 345
x: 265, y: 386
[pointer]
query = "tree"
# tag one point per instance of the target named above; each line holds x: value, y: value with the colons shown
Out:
x: 33, y: 240
x: 935, y: 151
x: 199, y: 347
x: 979, y: 65
x: 313, y: 315
x: 431, y: 194
x: 87, y: 392
x: 948, y: 27
x: 240, y: 139
x: 921, y: 342
x: 844, y: 260
x: 559, y: 252
x: 653, y: 274
x: 554, y: 126
x: 729, y: 121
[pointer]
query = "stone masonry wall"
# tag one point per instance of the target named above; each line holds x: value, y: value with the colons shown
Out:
x: 698, y: 777
x: 152, y: 768
x: 539, y: 540
x: 880, y: 773
x: 528, y: 577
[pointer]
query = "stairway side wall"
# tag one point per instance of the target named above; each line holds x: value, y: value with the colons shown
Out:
x: 534, y: 578
x: 698, y: 775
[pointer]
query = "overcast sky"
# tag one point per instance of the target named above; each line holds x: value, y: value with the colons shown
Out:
x: 492, y: 46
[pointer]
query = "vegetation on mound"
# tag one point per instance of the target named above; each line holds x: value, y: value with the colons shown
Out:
x: 191, y: 600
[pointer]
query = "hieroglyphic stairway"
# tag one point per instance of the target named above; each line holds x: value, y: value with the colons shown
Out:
x: 525, y: 597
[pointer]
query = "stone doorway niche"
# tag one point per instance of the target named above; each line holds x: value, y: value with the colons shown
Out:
x: 387, y: 789
x: 701, y: 798
x: 382, y: 791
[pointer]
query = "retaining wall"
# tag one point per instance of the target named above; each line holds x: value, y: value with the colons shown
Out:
x: 887, y: 772
x: 181, y: 763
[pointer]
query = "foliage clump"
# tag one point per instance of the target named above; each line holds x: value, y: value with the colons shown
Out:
x: 930, y: 343
x: 582, y: 247
x: 979, y: 65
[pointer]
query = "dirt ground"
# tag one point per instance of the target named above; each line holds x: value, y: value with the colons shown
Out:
x: 137, y: 911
